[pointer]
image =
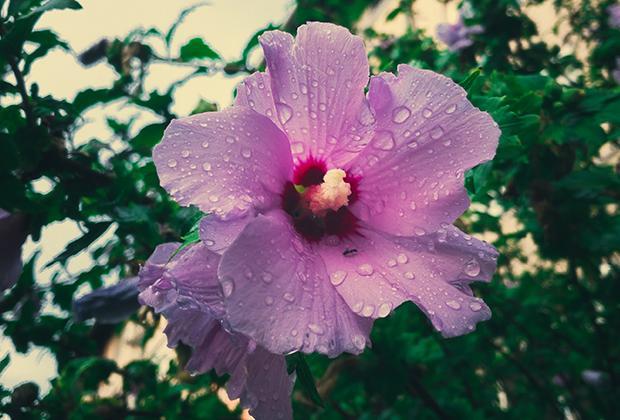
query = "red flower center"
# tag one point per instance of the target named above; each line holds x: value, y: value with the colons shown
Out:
x: 307, y: 175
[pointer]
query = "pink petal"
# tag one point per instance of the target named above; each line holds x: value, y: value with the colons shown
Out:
x: 255, y: 92
x: 317, y: 86
x: 228, y: 163
x: 376, y: 272
x: 183, y: 287
x: 217, y: 235
x: 428, y: 135
x: 277, y: 292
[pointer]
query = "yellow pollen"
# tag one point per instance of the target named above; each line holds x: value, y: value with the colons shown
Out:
x: 332, y: 194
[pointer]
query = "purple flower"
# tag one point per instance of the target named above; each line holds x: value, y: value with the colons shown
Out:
x: 616, y: 72
x: 13, y: 234
x: 614, y: 16
x: 109, y: 305
x: 457, y: 36
x: 330, y: 208
x: 185, y: 290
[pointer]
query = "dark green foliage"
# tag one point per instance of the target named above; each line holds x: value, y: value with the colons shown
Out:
x: 548, y: 202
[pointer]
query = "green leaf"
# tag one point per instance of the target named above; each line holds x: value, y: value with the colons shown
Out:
x: 192, y: 237
x: 196, y: 48
x: 297, y: 363
x: 5, y: 362
x: 184, y: 13
x: 95, y: 230
x: 54, y: 5
x: 469, y: 80
x: 148, y: 137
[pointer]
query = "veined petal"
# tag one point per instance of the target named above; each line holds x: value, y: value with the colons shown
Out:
x: 317, y: 87
x: 277, y: 292
x: 229, y: 163
x: 428, y: 135
x: 375, y: 273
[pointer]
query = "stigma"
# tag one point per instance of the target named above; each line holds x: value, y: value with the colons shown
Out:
x: 332, y: 194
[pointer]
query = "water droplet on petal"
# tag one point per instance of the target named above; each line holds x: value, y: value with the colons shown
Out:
x: 409, y: 275
x: 172, y: 163
x: 383, y: 140
x: 427, y: 113
x: 285, y: 113
x: 402, y: 258
x: 365, y: 269
x: 206, y: 166
x: 246, y: 153
x: 475, y: 306
x: 317, y: 329
x: 268, y: 301
x: 453, y: 304
x: 450, y: 109
x: 368, y: 310
x: 267, y: 278
x: 400, y: 114
x: 337, y: 277
x: 384, y: 309
x: 228, y: 286
x: 472, y: 268
x: 289, y: 297
x: 436, y: 132
x: 359, y: 341
x: 297, y: 147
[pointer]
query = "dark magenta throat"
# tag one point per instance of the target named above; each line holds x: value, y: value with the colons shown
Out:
x: 312, y: 227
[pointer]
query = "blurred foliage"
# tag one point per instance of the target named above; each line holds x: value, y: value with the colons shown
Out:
x: 555, y: 302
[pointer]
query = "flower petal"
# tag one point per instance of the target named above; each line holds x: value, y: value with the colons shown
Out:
x: 229, y: 163
x: 255, y: 374
x: 255, y: 92
x: 375, y: 273
x: 108, y: 305
x: 429, y: 134
x: 217, y: 235
x: 277, y: 292
x: 317, y: 85
x: 13, y: 234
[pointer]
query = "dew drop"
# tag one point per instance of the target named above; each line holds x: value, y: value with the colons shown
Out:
x: 185, y: 153
x: 172, y: 163
x: 427, y: 113
x: 409, y: 275
x: 267, y: 278
x: 359, y: 341
x: 228, y: 286
x: 205, y: 144
x: 365, y: 269
x: 337, y: 277
x: 436, y: 132
x: 206, y: 166
x: 268, y: 301
x: 475, y: 306
x: 383, y: 140
x: 453, y: 304
x: 451, y: 109
x: 368, y: 310
x: 285, y: 113
x: 297, y: 147
x: 400, y: 114
x: 384, y: 309
x: 317, y: 329
x: 402, y: 258
x: 246, y: 153
x: 472, y: 268
x: 289, y: 297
